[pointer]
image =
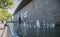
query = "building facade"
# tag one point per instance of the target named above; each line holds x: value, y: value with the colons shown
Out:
x: 30, y: 11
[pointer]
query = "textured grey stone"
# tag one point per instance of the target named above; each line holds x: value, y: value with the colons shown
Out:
x: 48, y: 10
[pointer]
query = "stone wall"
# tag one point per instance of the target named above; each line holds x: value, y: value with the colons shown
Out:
x: 46, y: 10
x: 43, y: 10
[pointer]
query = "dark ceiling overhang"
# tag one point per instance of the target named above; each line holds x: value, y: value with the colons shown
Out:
x: 21, y: 5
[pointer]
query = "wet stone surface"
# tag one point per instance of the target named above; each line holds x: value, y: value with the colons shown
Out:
x: 26, y: 31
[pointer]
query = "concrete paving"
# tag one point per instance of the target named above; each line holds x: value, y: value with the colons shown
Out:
x: 5, y: 32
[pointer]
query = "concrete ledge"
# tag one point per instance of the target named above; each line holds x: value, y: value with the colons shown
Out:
x: 7, y: 32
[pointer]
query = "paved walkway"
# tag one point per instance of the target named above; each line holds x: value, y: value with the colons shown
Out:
x: 5, y: 32
x: 1, y: 29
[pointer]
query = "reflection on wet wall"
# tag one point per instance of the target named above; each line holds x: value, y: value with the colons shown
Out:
x: 46, y: 11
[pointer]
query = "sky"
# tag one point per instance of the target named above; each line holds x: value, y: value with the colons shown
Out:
x: 16, y: 3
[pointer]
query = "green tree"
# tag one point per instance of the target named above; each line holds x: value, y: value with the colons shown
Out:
x: 4, y: 15
x: 6, y: 4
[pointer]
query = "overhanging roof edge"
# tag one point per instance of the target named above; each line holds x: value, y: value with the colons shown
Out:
x: 21, y: 5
